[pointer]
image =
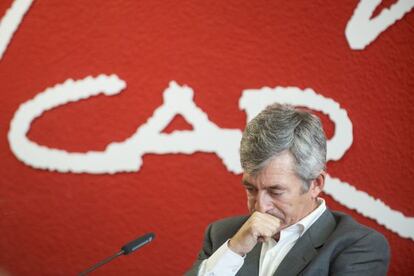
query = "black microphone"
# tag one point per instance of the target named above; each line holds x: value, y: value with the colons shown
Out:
x: 125, y: 250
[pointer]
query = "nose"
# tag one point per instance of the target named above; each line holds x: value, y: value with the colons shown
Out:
x: 263, y: 202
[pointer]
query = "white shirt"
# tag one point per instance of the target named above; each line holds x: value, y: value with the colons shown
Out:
x: 226, y: 262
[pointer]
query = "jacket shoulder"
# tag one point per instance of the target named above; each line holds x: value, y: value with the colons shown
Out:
x: 345, y: 223
x: 359, y: 249
x: 222, y: 230
x: 350, y: 231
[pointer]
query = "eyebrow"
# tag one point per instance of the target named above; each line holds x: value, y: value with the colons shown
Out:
x: 276, y: 187
x: 273, y: 187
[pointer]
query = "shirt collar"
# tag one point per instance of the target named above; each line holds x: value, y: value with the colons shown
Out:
x: 304, y: 224
x: 307, y: 221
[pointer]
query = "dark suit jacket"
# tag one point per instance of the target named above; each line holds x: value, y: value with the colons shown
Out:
x: 334, y: 245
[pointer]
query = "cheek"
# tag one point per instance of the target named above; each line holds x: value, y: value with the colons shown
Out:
x: 282, y: 202
x: 285, y: 208
x: 294, y: 209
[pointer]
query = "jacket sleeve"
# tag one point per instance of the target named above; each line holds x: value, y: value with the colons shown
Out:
x: 369, y: 255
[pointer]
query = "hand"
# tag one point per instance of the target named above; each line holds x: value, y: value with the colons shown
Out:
x: 259, y: 227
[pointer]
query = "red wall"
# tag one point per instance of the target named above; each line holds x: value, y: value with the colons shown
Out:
x: 60, y: 223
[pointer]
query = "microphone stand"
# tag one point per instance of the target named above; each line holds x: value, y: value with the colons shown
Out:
x: 101, y: 263
x: 125, y: 250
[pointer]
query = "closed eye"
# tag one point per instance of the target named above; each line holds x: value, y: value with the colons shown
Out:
x: 276, y: 191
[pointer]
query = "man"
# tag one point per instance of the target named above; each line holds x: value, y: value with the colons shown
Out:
x: 289, y: 231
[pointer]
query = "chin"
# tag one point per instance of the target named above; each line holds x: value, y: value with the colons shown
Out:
x: 284, y: 225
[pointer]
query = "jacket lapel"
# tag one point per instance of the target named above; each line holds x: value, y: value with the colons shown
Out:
x: 251, y: 262
x: 306, y: 246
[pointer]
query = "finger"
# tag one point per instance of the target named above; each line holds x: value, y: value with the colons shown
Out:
x: 273, y: 225
x: 261, y: 239
x: 266, y: 217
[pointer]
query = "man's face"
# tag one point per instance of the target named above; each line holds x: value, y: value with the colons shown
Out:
x: 278, y: 191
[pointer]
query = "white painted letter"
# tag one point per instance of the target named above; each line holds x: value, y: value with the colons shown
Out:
x: 11, y: 21
x: 361, y: 30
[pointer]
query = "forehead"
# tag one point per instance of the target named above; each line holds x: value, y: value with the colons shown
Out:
x: 278, y: 171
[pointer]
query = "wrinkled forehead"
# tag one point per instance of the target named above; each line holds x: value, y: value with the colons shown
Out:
x: 283, y: 161
x: 279, y: 170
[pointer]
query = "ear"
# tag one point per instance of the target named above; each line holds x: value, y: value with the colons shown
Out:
x: 317, y: 185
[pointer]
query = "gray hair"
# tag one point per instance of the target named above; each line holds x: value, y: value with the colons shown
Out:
x: 282, y: 127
